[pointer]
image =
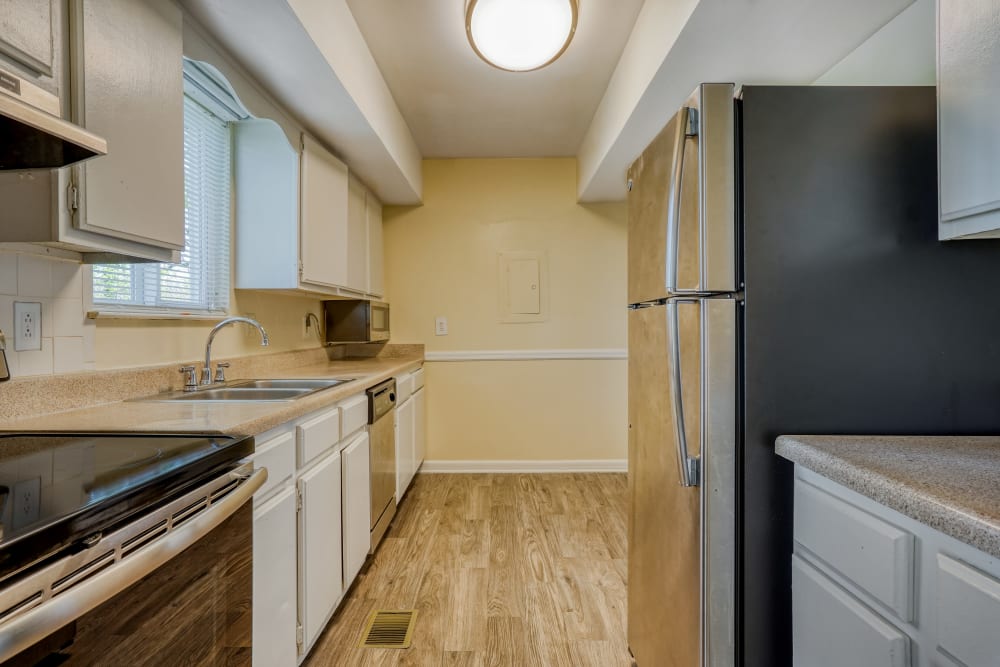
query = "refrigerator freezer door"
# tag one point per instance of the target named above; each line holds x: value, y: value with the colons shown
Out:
x: 682, y: 227
x: 682, y: 538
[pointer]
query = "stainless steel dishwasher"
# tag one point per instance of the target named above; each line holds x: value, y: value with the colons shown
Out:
x: 382, y: 431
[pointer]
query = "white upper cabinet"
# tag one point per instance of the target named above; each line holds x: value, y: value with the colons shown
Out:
x: 302, y: 222
x: 376, y: 253
x: 129, y: 88
x: 357, y: 237
x: 324, y: 221
x: 30, y: 34
x: 968, y: 131
x: 125, y: 83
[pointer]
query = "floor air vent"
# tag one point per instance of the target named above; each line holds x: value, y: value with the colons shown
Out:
x: 388, y: 629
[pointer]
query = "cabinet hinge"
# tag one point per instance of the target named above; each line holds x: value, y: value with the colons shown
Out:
x: 300, y: 634
x: 73, y: 197
x: 302, y: 268
x: 298, y: 500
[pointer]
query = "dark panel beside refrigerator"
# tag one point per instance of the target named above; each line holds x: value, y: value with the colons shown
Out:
x: 857, y: 319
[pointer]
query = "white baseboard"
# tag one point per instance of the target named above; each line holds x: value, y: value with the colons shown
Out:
x: 579, y: 465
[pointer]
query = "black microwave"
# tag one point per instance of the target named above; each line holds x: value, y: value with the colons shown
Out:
x: 356, y: 321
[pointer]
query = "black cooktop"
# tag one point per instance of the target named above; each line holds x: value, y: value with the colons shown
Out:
x: 57, y: 489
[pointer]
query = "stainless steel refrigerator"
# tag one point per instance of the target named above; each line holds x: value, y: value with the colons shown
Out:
x: 784, y: 277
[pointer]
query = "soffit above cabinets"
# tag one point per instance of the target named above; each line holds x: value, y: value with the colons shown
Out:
x: 310, y: 55
x: 458, y: 106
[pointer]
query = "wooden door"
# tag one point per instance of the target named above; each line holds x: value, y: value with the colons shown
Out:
x: 356, y: 466
x: 274, y: 587
x: 320, y: 551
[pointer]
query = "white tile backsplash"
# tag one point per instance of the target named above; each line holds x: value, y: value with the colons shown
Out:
x: 66, y: 280
x: 34, y: 276
x: 67, y: 318
x: 67, y: 355
x: 8, y: 273
x: 58, y: 285
x: 36, y: 362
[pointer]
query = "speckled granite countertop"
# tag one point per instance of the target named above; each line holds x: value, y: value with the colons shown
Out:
x: 232, y: 418
x: 949, y: 483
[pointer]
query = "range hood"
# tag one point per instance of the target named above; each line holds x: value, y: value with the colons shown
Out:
x: 33, y: 136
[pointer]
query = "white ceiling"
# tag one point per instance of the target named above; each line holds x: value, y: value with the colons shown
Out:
x: 458, y: 106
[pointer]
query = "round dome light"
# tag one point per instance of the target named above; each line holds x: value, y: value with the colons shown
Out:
x: 520, y: 35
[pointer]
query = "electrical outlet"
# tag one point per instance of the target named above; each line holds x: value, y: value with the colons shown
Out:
x: 441, y: 326
x: 26, y: 498
x: 27, y: 325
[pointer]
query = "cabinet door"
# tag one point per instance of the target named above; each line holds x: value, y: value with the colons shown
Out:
x: 404, y: 448
x: 969, y: 136
x: 274, y: 608
x: 357, y: 238
x: 129, y: 88
x: 830, y: 628
x: 320, y: 569
x: 27, y: 38
x: 357, y: 504
x: 419, y: 429
x: 323, y: 237
x: 376, y: 252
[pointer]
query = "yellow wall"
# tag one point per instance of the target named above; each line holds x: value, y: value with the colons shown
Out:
x: 441, y: 260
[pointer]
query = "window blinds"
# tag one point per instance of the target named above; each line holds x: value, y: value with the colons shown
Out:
x: 200, y: 282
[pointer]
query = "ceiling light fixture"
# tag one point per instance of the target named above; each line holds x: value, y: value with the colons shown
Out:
x: 520, y: 35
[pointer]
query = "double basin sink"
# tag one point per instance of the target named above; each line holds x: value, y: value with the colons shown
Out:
x: 252, y: 390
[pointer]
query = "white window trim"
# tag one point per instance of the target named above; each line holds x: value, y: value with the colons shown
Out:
x: 209, y: 87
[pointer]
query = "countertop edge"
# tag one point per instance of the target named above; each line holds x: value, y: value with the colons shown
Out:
x: 263, y: 418
x: 955, y: 521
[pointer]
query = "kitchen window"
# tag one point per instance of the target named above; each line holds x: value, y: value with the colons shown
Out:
x: 199, y: 283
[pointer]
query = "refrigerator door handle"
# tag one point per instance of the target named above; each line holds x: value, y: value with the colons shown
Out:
x: 690, y: 466
x: 687, y: 126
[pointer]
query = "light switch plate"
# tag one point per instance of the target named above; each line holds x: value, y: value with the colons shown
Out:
x: 441, y: 326
x: 27, y: 325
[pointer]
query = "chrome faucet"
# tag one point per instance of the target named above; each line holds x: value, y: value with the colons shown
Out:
x: 206, y: 372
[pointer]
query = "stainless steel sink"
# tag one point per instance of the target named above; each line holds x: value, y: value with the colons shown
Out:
x: 240, y: 394
x: 251, y: 391
x: 287, y: 384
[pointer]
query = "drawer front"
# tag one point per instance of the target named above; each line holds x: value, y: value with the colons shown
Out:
x: 418, y: 379
x: 968, y: 613
x: 355, y: 414
x: 278, y: 456
x: 404, y: 387
x: 318, y: 435
x: 831, y: 628
x: 874, y: 555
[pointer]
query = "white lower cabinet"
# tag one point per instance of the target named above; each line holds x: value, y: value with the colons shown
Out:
x: 873, y: 587
x: 419, y: 428
x: 274, y: 581
x: 311, y: 528
x: 320, y: 569
x: 356, y: 467
x: 840, y: 630
x: 404, y: 447
x: 411, y: 428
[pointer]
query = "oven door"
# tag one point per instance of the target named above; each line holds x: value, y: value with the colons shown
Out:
x: 173, y: 587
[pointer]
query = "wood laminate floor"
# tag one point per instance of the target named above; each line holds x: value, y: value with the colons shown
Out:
x: 518, y: 570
